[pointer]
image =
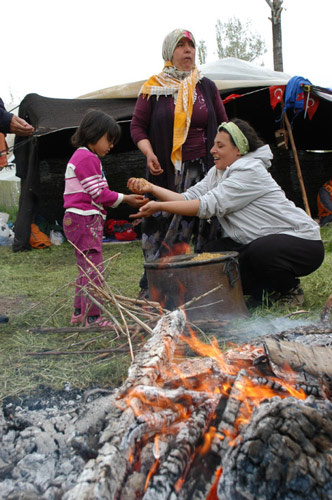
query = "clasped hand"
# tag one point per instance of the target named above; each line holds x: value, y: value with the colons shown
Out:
x: 139, y: 185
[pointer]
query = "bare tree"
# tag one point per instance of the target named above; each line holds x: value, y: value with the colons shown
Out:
x: 202, y: 52
x: 235, y: 39
x: 276, y: 9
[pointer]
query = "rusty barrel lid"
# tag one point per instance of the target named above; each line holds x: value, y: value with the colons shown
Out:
x: 195, y: 259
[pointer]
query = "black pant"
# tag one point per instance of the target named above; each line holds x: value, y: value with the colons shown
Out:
x: 273, y: 262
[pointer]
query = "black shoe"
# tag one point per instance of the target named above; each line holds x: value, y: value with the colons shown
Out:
x: 290, y: 299
x: 3, y: 318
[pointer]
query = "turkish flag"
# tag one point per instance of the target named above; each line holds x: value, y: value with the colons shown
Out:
x: 276, y: 94
x: 311, y: 105
x: 231, y: 97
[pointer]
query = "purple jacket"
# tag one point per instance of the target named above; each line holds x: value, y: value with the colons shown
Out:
x: 157, y: 126
x: 86, y: 189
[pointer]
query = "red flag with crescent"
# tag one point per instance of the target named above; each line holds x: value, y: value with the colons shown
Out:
x: 311, y: 105
x: 276, y: 94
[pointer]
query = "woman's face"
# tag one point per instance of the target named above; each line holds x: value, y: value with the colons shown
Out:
x: 223, y: 151
x: 102, y: 146
x: 184, y: 55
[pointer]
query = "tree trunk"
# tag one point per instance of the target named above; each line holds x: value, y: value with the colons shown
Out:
x: 276, y: 9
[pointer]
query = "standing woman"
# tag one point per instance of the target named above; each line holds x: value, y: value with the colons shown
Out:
x: 174, y: 125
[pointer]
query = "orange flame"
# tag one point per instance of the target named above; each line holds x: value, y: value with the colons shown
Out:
x: 212, y: 495
x: 151, y: 472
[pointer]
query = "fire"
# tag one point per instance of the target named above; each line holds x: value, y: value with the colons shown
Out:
x: 213, y: 351
x: 151, y: 472
x: 213, y: 492
x: 180, y: 248
x: 153, y: 404
x: 211, y: 434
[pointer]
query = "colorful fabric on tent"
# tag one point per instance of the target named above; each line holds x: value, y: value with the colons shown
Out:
x: 298, y: 97
x: 3, y: 151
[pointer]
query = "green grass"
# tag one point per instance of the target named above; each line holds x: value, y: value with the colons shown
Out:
x: 37, y: 290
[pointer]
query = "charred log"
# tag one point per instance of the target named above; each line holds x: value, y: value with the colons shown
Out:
x: 284, y: 453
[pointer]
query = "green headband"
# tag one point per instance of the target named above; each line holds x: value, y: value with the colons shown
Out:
x: 240, y: 140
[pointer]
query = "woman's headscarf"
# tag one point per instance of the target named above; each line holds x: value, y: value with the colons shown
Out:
x: 179, y: 84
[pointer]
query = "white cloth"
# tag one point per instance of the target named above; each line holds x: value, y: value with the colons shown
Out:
x: 249, y: 203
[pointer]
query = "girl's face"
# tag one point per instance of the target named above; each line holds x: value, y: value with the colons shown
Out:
x: 102, y: 146
x: 184, y: 55
x: 223, y: 151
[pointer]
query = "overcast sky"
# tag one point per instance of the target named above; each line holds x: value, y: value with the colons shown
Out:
x: 67, y: 48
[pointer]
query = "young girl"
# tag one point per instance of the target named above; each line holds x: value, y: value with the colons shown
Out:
x: 85, y: 197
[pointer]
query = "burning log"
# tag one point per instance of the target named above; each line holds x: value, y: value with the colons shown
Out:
x: 104, y: 476
x: 217, y: 425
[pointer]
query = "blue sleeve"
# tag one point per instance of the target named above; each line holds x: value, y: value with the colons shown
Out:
x: 5, y: 118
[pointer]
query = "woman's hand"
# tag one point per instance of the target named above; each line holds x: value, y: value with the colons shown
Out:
x: 153, y: 163
x: 146, y: 210
x: 135, y: 200
x: 139, y: 185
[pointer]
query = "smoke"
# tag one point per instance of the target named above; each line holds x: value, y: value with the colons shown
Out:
x: 249, y: 329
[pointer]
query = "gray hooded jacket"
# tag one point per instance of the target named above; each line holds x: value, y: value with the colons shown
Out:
x: 249, y: 203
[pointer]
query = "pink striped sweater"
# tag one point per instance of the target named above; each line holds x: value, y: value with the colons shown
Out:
x: 86, y: 188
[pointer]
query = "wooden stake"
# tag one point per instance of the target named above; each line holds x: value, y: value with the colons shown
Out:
x: 298, y: 167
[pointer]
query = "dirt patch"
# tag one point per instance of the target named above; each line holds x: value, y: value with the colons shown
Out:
x: 14, y: 305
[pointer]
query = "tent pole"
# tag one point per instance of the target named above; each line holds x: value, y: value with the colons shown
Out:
x: 298, y: 167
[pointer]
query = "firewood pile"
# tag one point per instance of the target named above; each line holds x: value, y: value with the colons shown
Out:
x: 193, y: 422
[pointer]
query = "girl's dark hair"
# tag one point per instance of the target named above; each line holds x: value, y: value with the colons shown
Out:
x: 93, y: 126
x: 255, y: 142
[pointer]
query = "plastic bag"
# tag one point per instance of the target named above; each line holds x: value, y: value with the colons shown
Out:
x: 6, y: 235
x: 56, y: 237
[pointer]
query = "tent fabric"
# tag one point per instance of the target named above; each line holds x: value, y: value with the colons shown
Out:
x: 55, y: 120
x: 48, y: 114
x: 229, y: 73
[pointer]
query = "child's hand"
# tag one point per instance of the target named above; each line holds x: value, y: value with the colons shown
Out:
x: 139, y: 185
x: 135, y: 200
x: 147, y: 209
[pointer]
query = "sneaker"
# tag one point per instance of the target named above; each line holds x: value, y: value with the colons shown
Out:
x: 99, y: 321
x: 292, y: 298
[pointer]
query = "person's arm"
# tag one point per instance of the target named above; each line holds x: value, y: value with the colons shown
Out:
x: 152, y: 161
x: 134, y: 200
x: 139, y: 133
x: 140, y: 185
x: 183, y: 207
x: 220, y: 108
x: 12, y: 124
x: 5, y: 119
x: 20, y: 127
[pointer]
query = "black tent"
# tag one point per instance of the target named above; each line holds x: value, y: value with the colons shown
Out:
x: 41, y: 160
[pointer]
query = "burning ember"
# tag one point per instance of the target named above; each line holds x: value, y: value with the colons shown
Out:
x: 190, y: 422
x: 217, y: 426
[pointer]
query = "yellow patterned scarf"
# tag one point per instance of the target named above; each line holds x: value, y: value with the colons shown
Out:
x: 169, y: 82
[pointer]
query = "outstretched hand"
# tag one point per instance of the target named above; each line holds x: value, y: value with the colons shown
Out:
x: 146, y: 210
x: 139, y: 185
x: 135, y: 200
